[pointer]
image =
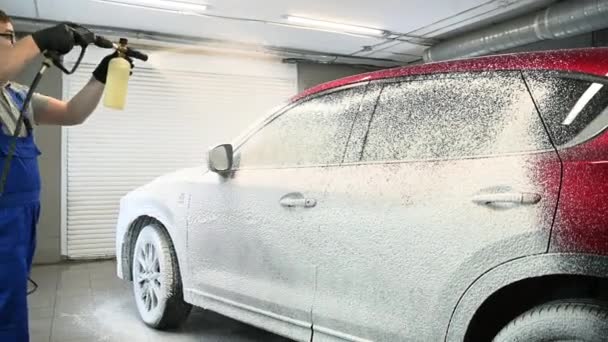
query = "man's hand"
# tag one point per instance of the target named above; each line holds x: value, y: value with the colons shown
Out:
x: 77, y: 110
x: 101, y: 72
x: 58, y: 38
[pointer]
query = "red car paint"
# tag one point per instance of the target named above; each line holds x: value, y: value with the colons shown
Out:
x: 581, y: 221
x: 590, y: 61
x: 581, y: 224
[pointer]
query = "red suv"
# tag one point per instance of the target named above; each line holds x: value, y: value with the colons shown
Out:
x: 456, y: 201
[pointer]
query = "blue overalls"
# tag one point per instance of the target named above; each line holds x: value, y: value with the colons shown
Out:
x: 19, y: 212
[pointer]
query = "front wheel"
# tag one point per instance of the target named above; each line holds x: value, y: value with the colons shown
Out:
x: 156, y: 280
x: 559, y: 321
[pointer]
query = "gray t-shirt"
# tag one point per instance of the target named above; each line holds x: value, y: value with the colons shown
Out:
x: 9, y: 110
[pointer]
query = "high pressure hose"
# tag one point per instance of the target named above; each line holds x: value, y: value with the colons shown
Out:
x: 20, y: 120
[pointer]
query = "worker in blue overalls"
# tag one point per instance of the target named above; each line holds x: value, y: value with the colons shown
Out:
x: 19, y: 204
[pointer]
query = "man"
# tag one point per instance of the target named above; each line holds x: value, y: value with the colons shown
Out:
x: 19, y: 204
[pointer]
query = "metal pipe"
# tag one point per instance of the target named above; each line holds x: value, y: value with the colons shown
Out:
x: 564, y: 19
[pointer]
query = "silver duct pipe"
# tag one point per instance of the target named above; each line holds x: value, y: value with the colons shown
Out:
x: 564, y: 19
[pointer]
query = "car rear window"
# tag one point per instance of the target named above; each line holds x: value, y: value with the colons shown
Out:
x: 574, y: 110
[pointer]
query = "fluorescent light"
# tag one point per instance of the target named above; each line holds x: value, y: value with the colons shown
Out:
x: 162, y: 5
x: 327, y: 25
x: 582, y: 103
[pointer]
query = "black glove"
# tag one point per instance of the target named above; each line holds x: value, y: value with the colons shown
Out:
x: 101, y: 72
x: 58, y: 38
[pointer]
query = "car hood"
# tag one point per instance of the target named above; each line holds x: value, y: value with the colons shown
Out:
x: 181, y: 175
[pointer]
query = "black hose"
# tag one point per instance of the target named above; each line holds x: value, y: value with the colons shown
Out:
x: 13, y: 144
x: 35, y: 286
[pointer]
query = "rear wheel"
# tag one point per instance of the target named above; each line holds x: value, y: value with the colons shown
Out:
x: 559, y: 322
x: 156, y: 280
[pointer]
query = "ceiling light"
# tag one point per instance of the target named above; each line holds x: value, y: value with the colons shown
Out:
x: 162, y: 5
x: 327, y: 25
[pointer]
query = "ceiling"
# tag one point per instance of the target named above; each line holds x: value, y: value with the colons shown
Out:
x: 413, y: 24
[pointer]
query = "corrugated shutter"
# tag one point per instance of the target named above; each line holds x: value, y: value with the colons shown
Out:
x: 174, y: 113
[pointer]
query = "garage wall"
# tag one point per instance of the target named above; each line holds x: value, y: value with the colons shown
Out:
x: 49, y: 142
x: 310, y: 74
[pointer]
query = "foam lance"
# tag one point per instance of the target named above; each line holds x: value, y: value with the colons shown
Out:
x: 119, y: 70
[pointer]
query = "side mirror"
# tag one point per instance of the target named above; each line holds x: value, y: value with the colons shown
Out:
x: 221, y: 158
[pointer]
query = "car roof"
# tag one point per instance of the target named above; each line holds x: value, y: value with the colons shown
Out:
x: 592, y: 61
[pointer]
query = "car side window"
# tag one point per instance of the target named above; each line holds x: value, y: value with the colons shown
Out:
x: 312, y: 133
x: 575, y: 110
x: 454, y: 116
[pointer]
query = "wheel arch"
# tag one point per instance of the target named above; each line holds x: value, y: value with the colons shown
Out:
x: 521, y: 275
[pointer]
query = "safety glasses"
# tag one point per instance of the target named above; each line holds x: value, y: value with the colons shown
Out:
x: 10, y: 36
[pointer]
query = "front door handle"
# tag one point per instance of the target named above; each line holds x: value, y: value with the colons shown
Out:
x: 296, y: 199
x: 507, y: 198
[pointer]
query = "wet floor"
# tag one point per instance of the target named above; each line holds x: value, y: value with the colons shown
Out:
x: 87, y: 302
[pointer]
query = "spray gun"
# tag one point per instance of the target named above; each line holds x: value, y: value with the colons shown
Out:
x: 116, y: 85
x: 118, y: 70
x: 84, y: 37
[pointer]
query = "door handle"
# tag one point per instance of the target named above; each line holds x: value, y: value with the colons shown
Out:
x: 297, y: 200
x: 508, y: 197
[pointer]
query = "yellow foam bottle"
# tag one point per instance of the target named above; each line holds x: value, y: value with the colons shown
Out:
x: 117, y: 81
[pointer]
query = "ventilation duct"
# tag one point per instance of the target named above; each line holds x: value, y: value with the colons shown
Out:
x: 564, y: 19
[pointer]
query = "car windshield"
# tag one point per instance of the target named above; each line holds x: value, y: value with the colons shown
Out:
x: 258, y: 124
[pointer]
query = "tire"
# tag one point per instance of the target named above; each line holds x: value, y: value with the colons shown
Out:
x: 157, y: 286
x: 572, y: 320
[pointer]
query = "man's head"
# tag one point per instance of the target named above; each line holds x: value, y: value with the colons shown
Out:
x: 7, y: 32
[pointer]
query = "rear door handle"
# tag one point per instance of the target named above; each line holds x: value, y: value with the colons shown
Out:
x: 508, y: 197
x: 296, y: 199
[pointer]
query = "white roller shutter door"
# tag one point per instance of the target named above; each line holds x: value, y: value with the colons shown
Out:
x: 178, y: 105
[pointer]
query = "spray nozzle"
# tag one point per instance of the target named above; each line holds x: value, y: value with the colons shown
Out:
x: 123, y: 48
x: 103, y: 43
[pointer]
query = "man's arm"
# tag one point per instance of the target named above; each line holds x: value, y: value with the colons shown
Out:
x: 77, y: 110
x: 15, y: 58
x: 73, y: 112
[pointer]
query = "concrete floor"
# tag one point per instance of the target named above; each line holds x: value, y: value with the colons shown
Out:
x: 87, y: 302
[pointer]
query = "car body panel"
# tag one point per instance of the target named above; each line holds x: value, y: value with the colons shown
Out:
x: 510, y: 272
x: 581, y: 224
x: 165, y: 199
x: 246, y: 248
x: 407, y: 233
